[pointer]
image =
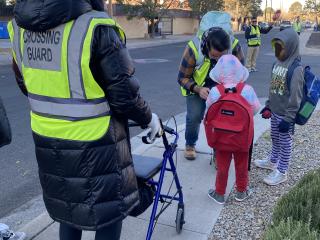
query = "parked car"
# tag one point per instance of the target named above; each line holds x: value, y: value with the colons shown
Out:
x: 285, y: 24
x: 263, y: 25
x: 308, y: 25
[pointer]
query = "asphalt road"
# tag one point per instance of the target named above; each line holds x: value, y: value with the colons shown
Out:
x: 18, y: 168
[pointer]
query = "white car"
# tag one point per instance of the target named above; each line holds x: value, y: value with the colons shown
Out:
x: 285, y: 25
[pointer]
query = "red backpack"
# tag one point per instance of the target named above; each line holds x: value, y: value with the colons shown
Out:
x: 229, y: 121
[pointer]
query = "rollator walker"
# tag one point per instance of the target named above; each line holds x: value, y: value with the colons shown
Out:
x: 153, y: 170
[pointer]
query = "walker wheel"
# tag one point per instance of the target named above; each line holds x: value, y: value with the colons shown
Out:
x: 179, y: 219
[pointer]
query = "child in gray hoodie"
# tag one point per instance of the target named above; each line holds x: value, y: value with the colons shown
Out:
x: 282, y: 105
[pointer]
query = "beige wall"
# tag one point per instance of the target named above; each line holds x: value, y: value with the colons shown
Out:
x: 185, y: 26
x: 135, y: 28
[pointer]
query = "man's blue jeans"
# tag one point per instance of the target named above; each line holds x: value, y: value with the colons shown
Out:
x: 196, y: 107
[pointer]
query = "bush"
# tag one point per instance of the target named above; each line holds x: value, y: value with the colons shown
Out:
x: 302, y: 203
x: 291, y: 230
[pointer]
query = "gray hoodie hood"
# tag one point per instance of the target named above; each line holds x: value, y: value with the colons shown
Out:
x: 291, y: 43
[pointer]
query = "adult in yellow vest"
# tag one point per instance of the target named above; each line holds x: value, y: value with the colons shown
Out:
x: 195, y: 81
x: 253, y: 36
x: 71, y: 60
x: 297, y: 26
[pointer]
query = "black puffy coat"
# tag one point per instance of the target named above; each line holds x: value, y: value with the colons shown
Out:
x: 89, y: 185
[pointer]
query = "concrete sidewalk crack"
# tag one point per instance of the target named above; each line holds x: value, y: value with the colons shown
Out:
x: 43, y: 230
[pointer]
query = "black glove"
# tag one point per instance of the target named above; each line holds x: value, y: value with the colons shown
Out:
x: 284, y: 126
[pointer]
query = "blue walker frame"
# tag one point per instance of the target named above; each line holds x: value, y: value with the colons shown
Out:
x: 170, y: 150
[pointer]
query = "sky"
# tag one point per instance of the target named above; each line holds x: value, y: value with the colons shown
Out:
x: 276, y: 3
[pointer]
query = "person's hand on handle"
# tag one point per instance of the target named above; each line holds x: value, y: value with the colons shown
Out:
x: 266, y: 113
x: 155, y: 127
x: 203, y: 92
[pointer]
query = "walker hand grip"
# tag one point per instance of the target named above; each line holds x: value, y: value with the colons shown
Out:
x: 168, y: 130
x: 147, y: 140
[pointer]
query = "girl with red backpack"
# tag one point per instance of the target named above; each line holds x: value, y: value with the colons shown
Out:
x: 229, y: 124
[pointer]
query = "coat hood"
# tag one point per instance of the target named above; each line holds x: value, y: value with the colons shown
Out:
x: 229, y: 71
x: 290, y: 40
x: 35, y: 15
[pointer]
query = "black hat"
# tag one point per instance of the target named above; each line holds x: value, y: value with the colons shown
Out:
x: 215, y: 38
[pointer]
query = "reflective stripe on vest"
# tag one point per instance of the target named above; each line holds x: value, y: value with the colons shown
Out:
x: 235, y: 43
x: 257, y: 40
x: 75, y: 108
x: 202, y: 64
x: 67, y: 106
x: 15, y: 37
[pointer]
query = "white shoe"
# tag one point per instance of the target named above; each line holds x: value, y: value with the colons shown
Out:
x: 275, y: 178
x: 265, y: 163
x: 7, y: 234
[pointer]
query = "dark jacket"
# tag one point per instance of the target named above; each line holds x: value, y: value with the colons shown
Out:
x: 262, y: 31
x: 89, y: 185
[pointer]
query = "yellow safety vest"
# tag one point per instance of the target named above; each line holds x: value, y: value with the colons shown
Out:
x: 297, y: 27
x: 66, y: 102
x: 257, y: 40
x: 202, y: 69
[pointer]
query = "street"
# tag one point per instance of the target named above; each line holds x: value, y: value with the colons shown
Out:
x: 156, y: 69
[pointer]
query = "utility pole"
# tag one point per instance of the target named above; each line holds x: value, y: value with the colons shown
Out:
x: 237, y: 14
x: 271, y: 11
x: 265, y: 11
x: 110, y: 10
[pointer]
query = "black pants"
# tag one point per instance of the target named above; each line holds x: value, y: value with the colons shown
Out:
x: 111, y: 232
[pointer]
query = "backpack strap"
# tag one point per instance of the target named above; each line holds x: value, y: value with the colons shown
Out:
x: 296, y: 63
x: 240, y: 87
x: 221, y: 90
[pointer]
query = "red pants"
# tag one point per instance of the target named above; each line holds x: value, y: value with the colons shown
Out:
x: 223, y: 164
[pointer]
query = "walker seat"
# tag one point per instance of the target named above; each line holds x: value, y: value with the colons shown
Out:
x: 146, y: 167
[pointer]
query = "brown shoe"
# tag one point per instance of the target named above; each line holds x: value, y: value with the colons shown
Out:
x: 190, y: 153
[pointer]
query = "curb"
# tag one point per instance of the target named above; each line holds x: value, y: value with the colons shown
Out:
x: 305, y: 50
x: 37, y: 226
x: 162, y: 42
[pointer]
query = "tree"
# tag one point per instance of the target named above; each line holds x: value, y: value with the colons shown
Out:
x: 295, y: 9
x: 150, y: 10
x: 255, y: 8
x: 269, y: 11
x: 312, y: 6
x: 200, y: 7
x: 250, y: 8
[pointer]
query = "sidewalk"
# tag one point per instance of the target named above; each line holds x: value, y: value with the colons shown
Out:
x: 314, y: 40
x: 306, y: 49
x: 157, y: 41
x: 196, y: 178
